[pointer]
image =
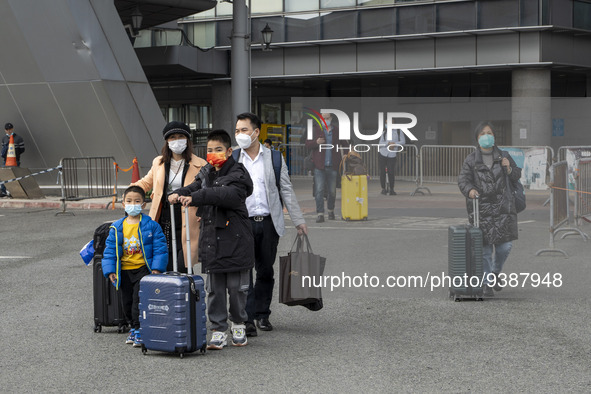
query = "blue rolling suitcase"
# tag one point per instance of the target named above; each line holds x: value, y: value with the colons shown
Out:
x: 172, y: 308
x: 465, y: 259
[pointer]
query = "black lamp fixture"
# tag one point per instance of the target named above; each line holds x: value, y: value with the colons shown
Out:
x: 136, y: 19
x: 267, y: 37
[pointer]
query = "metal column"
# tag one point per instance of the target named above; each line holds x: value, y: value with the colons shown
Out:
x: 240, y: 67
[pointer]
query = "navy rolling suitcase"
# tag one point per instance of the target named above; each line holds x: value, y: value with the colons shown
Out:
x: 108, y: 310
x: 465, y: 259
x: 172, y: 308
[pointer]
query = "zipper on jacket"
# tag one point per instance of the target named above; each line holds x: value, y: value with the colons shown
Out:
x: 139, y: 229
x: 117, y: 254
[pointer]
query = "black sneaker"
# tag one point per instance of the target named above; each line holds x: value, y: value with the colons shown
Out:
x: 392, y: 193
x: 320, y: 219
x: 384, y: 192
x: 487, y: 291
x: 251, y: 330
x: 264, y: 324
x: 331, y: 215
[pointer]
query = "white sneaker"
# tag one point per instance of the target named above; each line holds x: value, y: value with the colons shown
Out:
x: 239, y: 335
x: 218, y: 341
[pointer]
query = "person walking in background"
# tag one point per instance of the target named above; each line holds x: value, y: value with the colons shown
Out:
x: 326, y: 165
x: 176, y: 167
x: 387, y: 158
x: 272, y: 190
x: 485, y: 175
x: 19, y: 149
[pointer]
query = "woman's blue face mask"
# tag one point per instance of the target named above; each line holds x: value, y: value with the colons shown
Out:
x: 486, y: 141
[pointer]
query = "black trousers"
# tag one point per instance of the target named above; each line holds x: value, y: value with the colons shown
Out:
x: 260, y: 293
x: 130, y: 294
x: 389, y: 163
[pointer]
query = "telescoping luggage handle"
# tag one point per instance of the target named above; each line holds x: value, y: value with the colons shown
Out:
x: 476, y: 207
x: 175, y: 265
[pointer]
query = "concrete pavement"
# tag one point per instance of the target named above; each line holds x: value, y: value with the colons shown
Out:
x: 371, y: 339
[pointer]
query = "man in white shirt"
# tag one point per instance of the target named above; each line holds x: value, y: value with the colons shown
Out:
x: 387, y: 158
x: 266, y: 216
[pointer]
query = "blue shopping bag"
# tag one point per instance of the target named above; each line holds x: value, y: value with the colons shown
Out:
x: 87, y: 252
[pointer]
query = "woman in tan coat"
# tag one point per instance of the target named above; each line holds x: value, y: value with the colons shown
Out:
x: 175, y: 168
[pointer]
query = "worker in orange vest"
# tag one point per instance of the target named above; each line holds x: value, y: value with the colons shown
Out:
x: 19, y: 148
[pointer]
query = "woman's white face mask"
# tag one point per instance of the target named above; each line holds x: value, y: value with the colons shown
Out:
x: 178, y: 146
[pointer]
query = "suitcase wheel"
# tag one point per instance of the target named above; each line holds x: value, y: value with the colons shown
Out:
x: 181, y: 355
x: 203, y: 348
x: 480, y: 299
x: 121, y: 329
x: 144, y: 350
x: 97, y: 328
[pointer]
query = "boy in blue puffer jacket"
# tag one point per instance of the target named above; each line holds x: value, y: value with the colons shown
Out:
x: 135, y: 247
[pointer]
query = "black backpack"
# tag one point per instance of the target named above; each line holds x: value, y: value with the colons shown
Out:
x: 276, y: 160
x: 100, y: 238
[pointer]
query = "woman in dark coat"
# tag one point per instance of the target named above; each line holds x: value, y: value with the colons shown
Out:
x: 485, y: 174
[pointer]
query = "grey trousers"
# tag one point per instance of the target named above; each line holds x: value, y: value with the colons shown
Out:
x: 236, y: 285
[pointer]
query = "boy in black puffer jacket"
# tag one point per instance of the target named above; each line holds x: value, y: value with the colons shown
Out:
x: 226, y: 244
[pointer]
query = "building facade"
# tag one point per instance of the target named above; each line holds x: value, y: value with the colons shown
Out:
x: 528, y: 50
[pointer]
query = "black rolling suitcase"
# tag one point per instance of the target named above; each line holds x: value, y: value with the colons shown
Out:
x: 108, y: 310
x: 172, y: 307
x: 465, y: 259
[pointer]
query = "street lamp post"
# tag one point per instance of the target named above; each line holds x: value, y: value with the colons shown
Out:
x: 267, y: 34
x: 240, y: 65
x: 240, y: 56
x: 136, y: 19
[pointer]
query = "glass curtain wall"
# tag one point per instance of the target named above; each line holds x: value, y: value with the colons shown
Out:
x: 309, y: 20
x: 198, y: 117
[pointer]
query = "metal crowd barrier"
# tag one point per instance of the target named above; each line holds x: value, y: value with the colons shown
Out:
x: 532, y: 178
x: 583, y: 191
x: 442, y: 163
x: 407, y: 163
x: 577, y: 150
x: 559, y: 206
x: 576, y: 153
x: 294, y: 157
x: 430, y: 164
x: 87, y: 177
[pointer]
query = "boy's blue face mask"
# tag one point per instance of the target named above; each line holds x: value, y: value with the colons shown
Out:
x: 486, y: 141
x: 133, y: 210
